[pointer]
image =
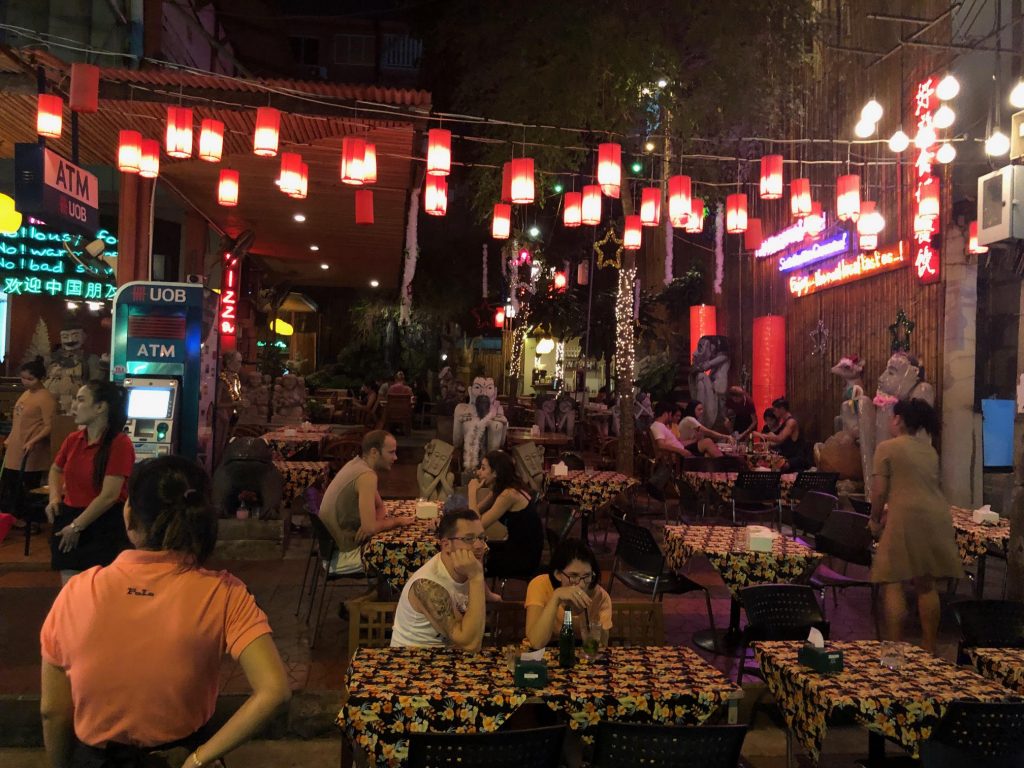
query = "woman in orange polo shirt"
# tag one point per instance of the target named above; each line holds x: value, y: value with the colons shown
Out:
x: 132, y: 651
x: 87, y: 482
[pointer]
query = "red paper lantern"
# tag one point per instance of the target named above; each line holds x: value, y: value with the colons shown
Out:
x: 609, y: 168
x: 129, y: 151
x: 506, y: 182
x: 290, y: 178
x: 679, y: 194
x: 439, y: 152
x: 179, y: 132
x: 49, y: 115
x: 631, y: 235
x: 353, y: 153
x: 814, y: 222
x: 268, y: 131
x: 769, y: 375
x: 560, y: 281
x: 302, y: 191
x: 736, y: 213
x: 800, y: 197
x: 695, y: 222
x: 211, y: 140
x: 582, y: 273
x: 227, y: 188
x: 848, y: 197
x: 85, y: 88
x: 499, y: 317
x: 928, y: 196
x: 522, y: 180
x: 572, y: 209
x: 364, y: 206
x: 650, y: 206
x: 752, y: 237
x: 972, y: 242
x: 501, y: 221
x: 590, y: 209
x: 771, y: 177
x: 435, y: 196
x: 370, y: 163
x: 703, y: 322
x: 149, y: 162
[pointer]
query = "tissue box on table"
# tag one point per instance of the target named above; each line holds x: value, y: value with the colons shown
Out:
x: 426, y: 510
x: 561, y: 469
x: 985, y: 515
x: 759, y: 538
x: 820, y: 659
x: 531, y: 673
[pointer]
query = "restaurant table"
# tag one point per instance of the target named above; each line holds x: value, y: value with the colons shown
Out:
x: 1004, y: 665
x: 551, y: 441
x: 726, y: 548
x: 393, y: 692
x: 295, y: 444
x: 976, y: 540
x: 398, y: 553
x: 300, y: 475
x: 721, y: 483
x: 590, y: 489
x: 903, y: 705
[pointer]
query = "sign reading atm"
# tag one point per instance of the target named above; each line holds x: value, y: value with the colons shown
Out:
x: 55, y: 189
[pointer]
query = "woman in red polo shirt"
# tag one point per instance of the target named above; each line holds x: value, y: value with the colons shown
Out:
x: 87, y: 482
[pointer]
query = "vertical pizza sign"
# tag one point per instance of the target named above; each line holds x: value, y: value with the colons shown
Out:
x: 927, y: 200
x: 227, y: 316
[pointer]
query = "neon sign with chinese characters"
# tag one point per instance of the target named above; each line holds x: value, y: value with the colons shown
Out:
x: 228, y: 314
x: 926, y: 193
x: 34, y: 260
x: 826, y: 249
x: 849, y: 269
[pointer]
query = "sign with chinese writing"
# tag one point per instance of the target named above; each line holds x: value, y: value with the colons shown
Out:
x: 926, y: 192
x: 227, y: 315
x: 34, y: 260
x: 848, y: 269
x: 54, y: 189
x: 826, y: 249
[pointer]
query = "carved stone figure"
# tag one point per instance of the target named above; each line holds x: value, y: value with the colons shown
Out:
x: 849, y: 369
x: 544, y: 413
x: 255, y: 407
x: 709, y: 378
x: 565, y: 414
x: 840, y: 452
x: 248, y: 465
x: 290, y: 397
x: 447, y: 381
x: 479, y: 425
x: 529, y: 459
x: 433, y: 475
x: 71, y: 367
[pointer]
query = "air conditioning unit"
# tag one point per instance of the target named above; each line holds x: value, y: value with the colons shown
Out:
x: 1001, y: 205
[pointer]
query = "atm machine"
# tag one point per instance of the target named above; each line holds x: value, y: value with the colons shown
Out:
x: 153, y: 410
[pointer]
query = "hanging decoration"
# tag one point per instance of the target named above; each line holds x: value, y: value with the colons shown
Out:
x: 650, y: 206
x: 501, y: 221
x: 439, y: 152
x: 49, y: 115
x: 679, y: 200
x: 506, y: 182
x: 926, y: 252
x: 669, y: 252
x: 695, y: 219
x: 412, y: 252
x: 609, y: 168
x: 800, y: 198
x: 227, y: 188
x: 302, y: 191
x: 769, y: 345
x: 819, y: 338
x: 483, y: 272
x: 515, y: 365
x: 499, y: 317
x: 624, y: 343
x: 590, y: 207
x: 84, y: 95
x: 129, y: 151
x: 289, y: 180
x: 719, y: 247
x: 703, y: 322
x: 369, y: 163
x: 848, y: 197
x: 753, y: 237
x: 435, y: 196
x: 268, y: 131
x: 814, y: 222
x: 736, y: 213
x: 179, y: 132
x: 211, y: 140
x: 353, y: 152
x: 631, y: 233
x: 869, y: 225
x: 149, y: 159
x: 899, y: 332
x: 927, y: 195
x: 771, y: 177
x: 972, y: 242
x: 609, y: 243
x: 572, y: 209
x: 522, y: 180
x: 364, y: 206
x: 582, y: 273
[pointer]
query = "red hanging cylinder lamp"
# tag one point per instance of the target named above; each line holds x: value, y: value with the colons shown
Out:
x: 736, y: 213
x: 609, y: 168
x: 814, y: 222
x: 178, y: 140
x: 695, y: 221
x: 848, y: 197
x: 227, y: 188
x: 435, y: 196
x: 129, y: 151
x: 753, y: 236
x: 771, y: 177
x: 650, y: 206
x: 84, y: 95
x: 49, y: 115
x: 211, y: 140
x: 268, y: 131
x: 631, y: 235
x: 868, y: 226
x: 506, y: 182
x: 572, y: 209
x: 582, y: 273
x: 769, y: 375
x: 370, y: 163
x: 928, y: 196
x: 364, y: 206
x: 590, y: 210
x: 501, y: 221
x: 560, y: 281
x: 303, y: 189
x: 522, y: 180
x: 439, y: 152
x: 149, y: 161
x: 972, y: 241
x: 679, y: 193
x: 290, y: 179
x: 499, y: 317
x: 703, y: 322
x: 800, y: 197
x: 353, y: 153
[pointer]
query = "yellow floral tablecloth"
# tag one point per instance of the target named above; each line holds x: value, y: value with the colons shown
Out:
x: 302, y: 445
x: 903, y: 705
x: 974, y: 539
x: 393, y: 692
x: 1004, y: 665
x: 590, y: 488
x: 726, y: 548
x: 300, y: 475
x: 721, y: 483
x: 396, y: 554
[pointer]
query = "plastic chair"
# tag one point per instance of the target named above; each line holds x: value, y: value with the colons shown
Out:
x: 823, y: 482
x: 756, y: 494
x: 813, y: 509
x: 778, y: 612
x: 314, y: 497
x: 988, y: 624
x: 573, y: 461
x: 624, y: 745
x: 325, y: 552
x: 845, y: 536
x: 398, y: 410
x: 637, y: 624
x: 532, y: 748
x: 860, y: 505
x: 989, y: 734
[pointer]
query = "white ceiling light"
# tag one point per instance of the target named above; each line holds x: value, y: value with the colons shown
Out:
x: 946, y: 153
x: 1017, y: 95
x: 947, y: 88
x: 314, y: 247
x: 864, y: 129
x: 899, y: 141
x: 374, y: 283
x: 325, y: 266
x: 944, y: 117
x: 299, y: 217
x: 997, y: 144
x: 872, y: 112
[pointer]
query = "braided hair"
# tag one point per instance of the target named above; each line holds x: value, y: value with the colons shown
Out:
x: 117, y: 414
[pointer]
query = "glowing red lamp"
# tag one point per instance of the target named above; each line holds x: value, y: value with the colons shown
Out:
x: 268, y: 131
x: 800, y: 197
x: 227, y: 188
x: 49, y: 115
x: 572, y: 209
x: 650, y: 206
x: 848, y: 197
x: 736, y: 213
x: 771, y: 177
x: 353, y: 154
x: 370, y: 163
x: 631, y: 235
x: 560, y: 281
x: 501, y: 221
x: 435, y: 196
x: 972, y: 243
x: 679, y: 193
x: 499, y: 317
x: 179, y: 132
x: 211, y: 140
x: 129, y: 151
x: 522, y: 180
x: 439, y: 152
x: 590, y: 211
x: 695, y: 222
x: 149, y: 161
x: 609, y: 168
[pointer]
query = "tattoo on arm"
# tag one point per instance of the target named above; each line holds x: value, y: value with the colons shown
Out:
x: 437, y: 605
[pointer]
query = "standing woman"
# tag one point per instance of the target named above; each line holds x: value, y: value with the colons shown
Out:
x: 912, y: 515
x: 132, y: 652
x: 87, y: 482
x: 29, y: 441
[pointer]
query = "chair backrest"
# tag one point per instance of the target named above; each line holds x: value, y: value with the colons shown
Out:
x: 989, y: 734
x: 845, y: 535
x: 637, y: 624
x: 398, y: 407
x: 637, y: 548
x: 370, y: 624
x: 781, y: 612
x: 813, y: 510
x: 990, y: 623
x: 505, y: 623
x: 815, y: 481
x: 324, y: 541
x: 860, y: 505
x: 757, y: 486
x: 624, y: 745
x: 531, y: 748
x: 573, y: 460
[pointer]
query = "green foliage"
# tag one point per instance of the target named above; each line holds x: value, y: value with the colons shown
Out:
x: 683, y: 292
x: 657, y: 374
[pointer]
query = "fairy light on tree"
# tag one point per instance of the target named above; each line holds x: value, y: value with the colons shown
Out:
x: 624, y: 351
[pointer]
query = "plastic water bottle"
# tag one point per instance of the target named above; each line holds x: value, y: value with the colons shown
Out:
x: 567, y: 642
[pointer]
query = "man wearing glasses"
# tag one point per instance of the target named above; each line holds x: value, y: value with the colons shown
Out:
x: 443, y: 603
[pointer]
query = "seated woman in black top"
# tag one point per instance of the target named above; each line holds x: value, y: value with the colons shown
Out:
x: 787, y: 439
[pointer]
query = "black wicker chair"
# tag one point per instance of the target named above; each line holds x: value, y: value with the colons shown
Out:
x: 989, y: 734
x: 860, y: 505
x: 531, y: 748
x: 845, y: 537
x: 624, y: 745
x: 325, y: 549
x: 757, y: 494
x: 988, y: 624
x: 778, y: 612
x: 823, y: 482
x: 811, y: 512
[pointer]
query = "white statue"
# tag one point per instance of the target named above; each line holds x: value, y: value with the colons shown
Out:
x: 840, y: 453
x: 709, y: 378
x: 433, y: 475
x: 479, y: 425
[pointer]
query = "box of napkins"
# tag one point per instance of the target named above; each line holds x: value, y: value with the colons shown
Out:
x: 815, y: 655
x: 985, y: 516
x: 760, y: 538
x: 426, y: 510
x: 560, y: 469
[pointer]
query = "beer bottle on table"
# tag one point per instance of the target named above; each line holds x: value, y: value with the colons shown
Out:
x: 567, y: 642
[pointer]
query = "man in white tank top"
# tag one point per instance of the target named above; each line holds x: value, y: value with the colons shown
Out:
x: 443, y: 603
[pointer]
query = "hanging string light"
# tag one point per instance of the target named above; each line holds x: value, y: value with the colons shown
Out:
x: 435, y: 196
x: 679, y: 194
x: 227, y: 188
x: 211, y: 140
x: 650, y: 206
x: 364, y: 206
x: 591, y: 205
x: 129, y: 151
x: 439, y: 152
x: 624, y: 347
x: 501, y: 221
x: 49, y: 115
x: 771, y: 177
x: 179, y: 132
x: 800, y: 197
x: 522, y: 180
x: 695, y: 221
x: 736, y: 213
x: 267, y: 133
x: 353, y: 154
x: 572, y: 209
x: 149, y: 160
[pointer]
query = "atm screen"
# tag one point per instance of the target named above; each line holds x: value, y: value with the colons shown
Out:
x: 149, y: 402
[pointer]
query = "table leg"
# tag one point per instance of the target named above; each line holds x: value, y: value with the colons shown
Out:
x: 724, y: 642
x: 876, y: 746
x: 979, y: 580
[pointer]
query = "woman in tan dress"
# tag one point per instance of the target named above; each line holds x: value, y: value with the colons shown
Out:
x: 29, y: 441
x: 912, y: 516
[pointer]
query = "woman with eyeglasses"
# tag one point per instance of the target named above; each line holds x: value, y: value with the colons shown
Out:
x: 571, y: 582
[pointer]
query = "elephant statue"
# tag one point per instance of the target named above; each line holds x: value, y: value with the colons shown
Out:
x: 248, y: 465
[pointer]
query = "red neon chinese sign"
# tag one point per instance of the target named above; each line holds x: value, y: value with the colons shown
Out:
x: 927, y: 209
x: 227, y: 316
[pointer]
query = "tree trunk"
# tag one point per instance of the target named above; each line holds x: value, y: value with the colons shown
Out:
x: 624, y: 350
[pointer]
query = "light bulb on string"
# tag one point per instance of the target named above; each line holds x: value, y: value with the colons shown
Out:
x: 997, y: 144
x: 899, y: 141
x: 925, y: 137
x: 947, y: 88
x: 1017, y: 95
x: 864, y: 129
x: 944, y: 117
x: 872, y: 112
x: 946, y: 153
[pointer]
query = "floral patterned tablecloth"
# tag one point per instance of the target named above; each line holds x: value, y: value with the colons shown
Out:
x: 396, y: 691
x: 722, y: 482
x: 726, y: 548
x: 302, y: 445
x: 1004, y: 665
x: 300, y: 475
x: 974, y: 539
x: 903, y: 705
x: 590, y: 488
x: 398, y: 553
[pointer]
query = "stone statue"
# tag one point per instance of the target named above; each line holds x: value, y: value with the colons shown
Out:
x: 544, y: 413
x: 643, y: 413
x: 841, y: 452
x: 290, y: 397
x: 565, y: 414
x: 255, y: 407
x: 479, y: 425
x: 709, y: 377
x: 433, y: 475
x: 529, y: 459
x: 248, y: 465
x: 849, y: 369
x: 71, y: 367
x: 447, y: 381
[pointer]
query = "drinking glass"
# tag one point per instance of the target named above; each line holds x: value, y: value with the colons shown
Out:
x: 594, y: 640
x: 510, y: 653
x: 891, y: 656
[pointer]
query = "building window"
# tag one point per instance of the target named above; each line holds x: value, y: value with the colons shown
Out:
x: 305, y: 50
x: 354, y: 50
x: 401, y: 52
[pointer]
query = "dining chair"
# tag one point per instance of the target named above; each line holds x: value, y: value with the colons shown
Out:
x: 988, y: 624
x: 811, y: 512
x: 777, y: 612
x: 398, y: 410
x: 370, y: 625
x: 325, y: 552
x: 636, y: 624
x: 846, y: 540
x: 530, y: 748
x: 757, y: 494
x: 505, y: 623
x: 989, y: 734
x: 573, y: 461
x: 823, y: 482
x: 624, y: 745
x: 313, y: 497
